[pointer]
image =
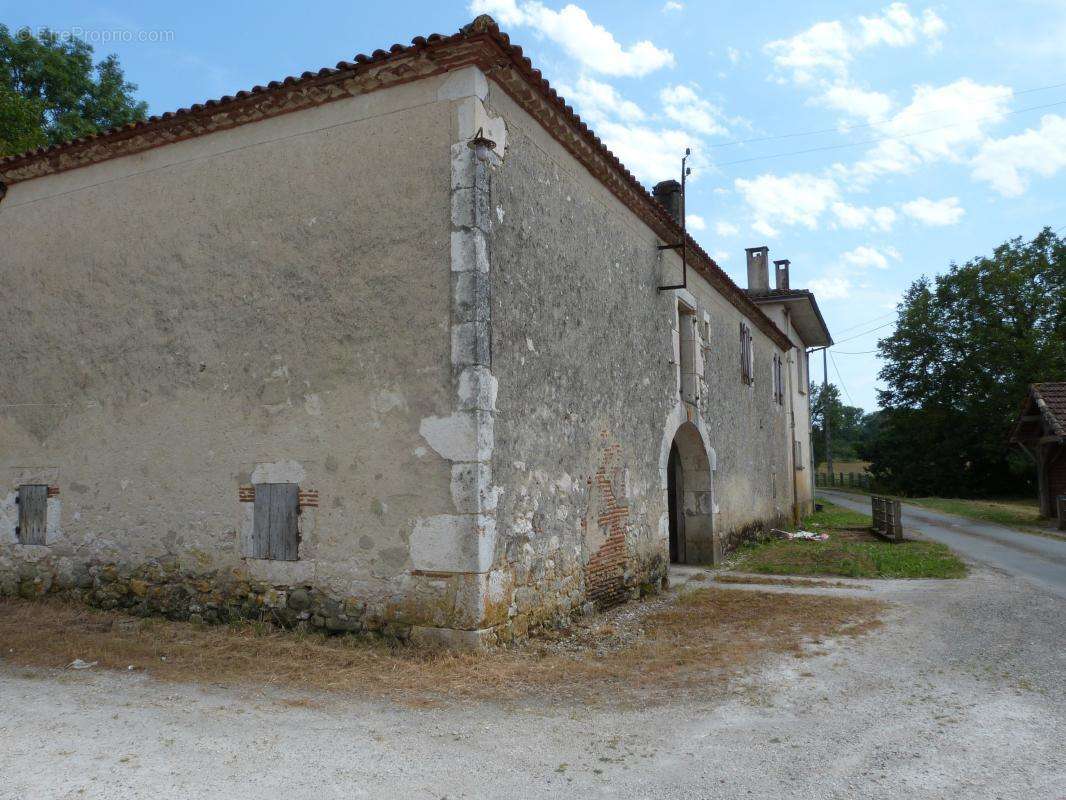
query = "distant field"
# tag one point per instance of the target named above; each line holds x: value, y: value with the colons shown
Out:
x: 845, y: 466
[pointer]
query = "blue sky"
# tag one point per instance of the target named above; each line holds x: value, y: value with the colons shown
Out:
x: 936, y: 135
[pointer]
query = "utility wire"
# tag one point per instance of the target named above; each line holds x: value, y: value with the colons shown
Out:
x: 867, y: 322
x: 850, y: 128
x: 840, y: 378
x: 864, y: 333
x: 854, y: 352
x: 884, y: 138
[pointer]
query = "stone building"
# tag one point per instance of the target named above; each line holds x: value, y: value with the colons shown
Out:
x: 381, y: 347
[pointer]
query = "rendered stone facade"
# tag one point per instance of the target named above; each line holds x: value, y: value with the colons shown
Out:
x: 464, y: 364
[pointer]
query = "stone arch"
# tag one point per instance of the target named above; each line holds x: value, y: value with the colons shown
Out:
x: 686, y: 466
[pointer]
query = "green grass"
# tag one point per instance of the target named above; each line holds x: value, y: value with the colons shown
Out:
x: 849, y: 558
x: 1022, y: 514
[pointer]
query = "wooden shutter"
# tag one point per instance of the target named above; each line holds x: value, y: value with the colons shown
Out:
x: 275, y: 532
x: 33, y: 513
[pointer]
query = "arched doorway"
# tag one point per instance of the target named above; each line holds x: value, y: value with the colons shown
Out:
x: 690, y: 499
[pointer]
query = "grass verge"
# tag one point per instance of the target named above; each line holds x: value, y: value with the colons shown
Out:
x: 1021, y: 514
x: 849, y: 552
x: 694, y: 643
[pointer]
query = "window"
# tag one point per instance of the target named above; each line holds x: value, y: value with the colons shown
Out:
x: 747, y: 355
x: 275, y: 533
x: 797, y: 449
x: 690, y: 355
x: 779, y: 379
x: 33, y: 513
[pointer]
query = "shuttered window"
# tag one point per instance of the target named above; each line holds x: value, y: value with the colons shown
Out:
x: 33, y: 513
x: 275, y: 532
x: 779, y: 379
x: 747, y: 355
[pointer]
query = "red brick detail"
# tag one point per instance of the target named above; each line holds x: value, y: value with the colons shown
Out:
x: 307, y: 498
x: 605, y: 583
x: 53, y: 491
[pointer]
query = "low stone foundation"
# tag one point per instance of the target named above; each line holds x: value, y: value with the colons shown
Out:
x: 547, y: 595
x: 164, y: 589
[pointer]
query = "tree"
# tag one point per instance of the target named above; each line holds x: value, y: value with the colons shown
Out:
x: 51, y: 92
x: 845, y: 424
x: 957, y: 367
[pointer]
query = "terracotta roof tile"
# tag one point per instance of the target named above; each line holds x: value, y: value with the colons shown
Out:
x: 1054, y: 397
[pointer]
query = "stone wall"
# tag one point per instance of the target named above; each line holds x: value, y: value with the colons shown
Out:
x: 267, y: 303
x: 583, y: 349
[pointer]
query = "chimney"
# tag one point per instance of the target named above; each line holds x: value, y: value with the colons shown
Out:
x: 758, y: 269
x: 781, y: 273
x: 668, y: 193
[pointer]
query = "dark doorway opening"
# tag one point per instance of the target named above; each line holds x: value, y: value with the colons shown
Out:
x: 675, y: 488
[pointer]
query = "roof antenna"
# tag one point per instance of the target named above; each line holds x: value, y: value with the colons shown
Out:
x: 682, y: 245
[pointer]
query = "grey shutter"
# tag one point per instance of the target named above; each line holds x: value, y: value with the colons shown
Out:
x: 275, y: 532
x: 33, y: 513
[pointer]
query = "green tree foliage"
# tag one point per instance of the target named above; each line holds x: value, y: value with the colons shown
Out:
x: 50, y: 91
x: 966, y: 347
x: 846, y: 424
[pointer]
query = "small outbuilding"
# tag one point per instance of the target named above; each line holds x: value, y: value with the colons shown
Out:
x: 1041, y: 432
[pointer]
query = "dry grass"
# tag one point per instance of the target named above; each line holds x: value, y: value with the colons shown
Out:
x: 694, y: 643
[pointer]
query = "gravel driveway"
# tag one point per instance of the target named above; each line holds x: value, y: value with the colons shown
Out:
x: 960, y: 695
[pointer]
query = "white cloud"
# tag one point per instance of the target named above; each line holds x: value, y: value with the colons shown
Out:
x: 685, y: 107
x: 852, y: 217
x: 694, y: 222
x: 865, y: 256
x: 797, y: 199
x: 935, y: 213
x: 961, y: 110
x: 672, y: 5
x: 734, y: 55
x: 1008, y: 163
x: 867, y: 105
x: 897, y: 27
x: 652, y: 154
x: 592, y: 45
x: 826, y: 49
x: 726, y: 229
x: 597, y: 101
x: 941, y: 123
x: 830, y: 287
x: 721, y: 255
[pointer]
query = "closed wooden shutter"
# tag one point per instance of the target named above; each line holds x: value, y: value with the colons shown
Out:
x: 275, y: 529
x: 33, y: 513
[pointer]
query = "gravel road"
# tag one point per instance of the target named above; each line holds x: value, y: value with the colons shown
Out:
x: 960, y: 695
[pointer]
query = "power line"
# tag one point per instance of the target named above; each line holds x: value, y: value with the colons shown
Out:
x: 867, y: 322
x: 854, y: 352
x: 864, y: 333
x: 850, y: 128
x: 884, y: 138
x: 843, y: 386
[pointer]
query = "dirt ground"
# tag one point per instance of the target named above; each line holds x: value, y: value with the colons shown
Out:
x: 958, y: 693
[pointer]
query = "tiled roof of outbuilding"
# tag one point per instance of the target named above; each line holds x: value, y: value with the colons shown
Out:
x: 1054, y: 397
x: 481, y: 43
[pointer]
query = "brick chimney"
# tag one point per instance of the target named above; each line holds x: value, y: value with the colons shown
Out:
x: 668, y: 193
x: 758, y: 269
x: 781, y: 273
